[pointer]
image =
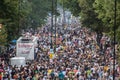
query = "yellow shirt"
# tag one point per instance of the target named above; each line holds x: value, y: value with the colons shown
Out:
x: 105, y: 68
x: 49, y: 71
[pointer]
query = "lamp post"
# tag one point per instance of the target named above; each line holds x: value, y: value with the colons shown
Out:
x: 0, y: 31
x: 63, y: 13
x: 55, y: 24
x: 18, y: 15
x: 0, y: 27
x: 114, y: 55
x: 52, y: 25
x: 19, y: 18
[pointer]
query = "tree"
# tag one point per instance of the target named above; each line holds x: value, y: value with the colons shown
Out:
x: 71, y: 5
x: 85, y: 10
x: 10, y: 15
x: 24, y: 9
x: 89, y: 17
x: 3, y: 35
x: 39, y: 13
x: 20, y: 14
x: 105, y: 11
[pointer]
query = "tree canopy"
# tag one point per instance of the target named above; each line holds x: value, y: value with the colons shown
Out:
x: 3, y: 35
x: 96, y: 14
x: 21, y: 14
x: 105, y: 10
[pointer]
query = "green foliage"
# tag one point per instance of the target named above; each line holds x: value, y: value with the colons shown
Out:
x: 25, y: 8
x: 89, y: 17
x: 12, y: 15
x: 105, y: 10
x: 118, y: 35
x: 71, y: 5
x: 85, y: 10
x: 22, y: 14
x: 118, y: 54
x: 38, y: 14
x: 96, y: 14
x: 3, y: 36
x: 9, y: 16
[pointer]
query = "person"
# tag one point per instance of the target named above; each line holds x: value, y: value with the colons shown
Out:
x: 78, y: 55
x: 52, y: 75
x: 61, y: 76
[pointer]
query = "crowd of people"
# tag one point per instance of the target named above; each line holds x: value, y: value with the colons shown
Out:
x: 77, y: 56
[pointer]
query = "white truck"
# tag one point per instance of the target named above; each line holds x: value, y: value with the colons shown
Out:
x: 26, y: 47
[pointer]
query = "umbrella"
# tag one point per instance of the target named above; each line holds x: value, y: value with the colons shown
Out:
x: 14, y: 41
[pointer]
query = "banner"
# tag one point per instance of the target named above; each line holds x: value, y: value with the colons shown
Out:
x: 25, y: 50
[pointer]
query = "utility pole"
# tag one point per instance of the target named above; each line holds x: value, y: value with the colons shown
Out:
x: 19, y: 4
x: 55, y: 24
x: 52, y: 25
x: 114, y: 55
x: 0, y: 42
x: 63, y: 13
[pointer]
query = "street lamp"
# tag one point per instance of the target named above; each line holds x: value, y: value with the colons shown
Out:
x: 0, y: 27
x: 64, y: 21
x: 0, y: 31
x: 114, y: 55
x: 52, y: 25
x: 55, y: 23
